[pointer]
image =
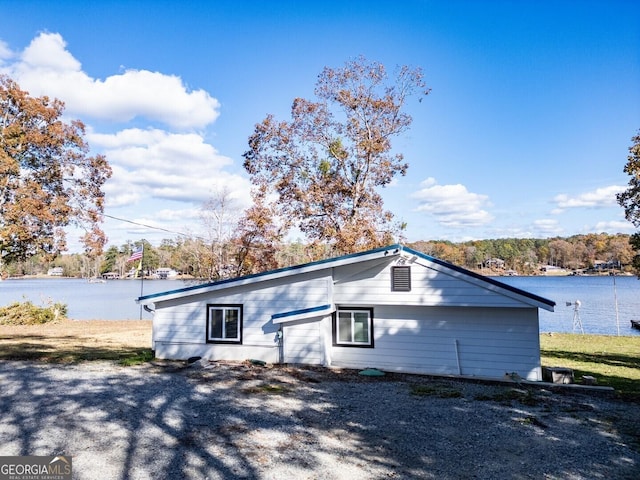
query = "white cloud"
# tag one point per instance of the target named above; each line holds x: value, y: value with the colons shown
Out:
x: 615, y: 226
x: 5, y: 53
x: 46, y: 67
x: 165, y: 166
x: 599, y: 198
x: 453, y: 205
x: 48, y: 52
x: 547, y: 227
x: 161, y: 176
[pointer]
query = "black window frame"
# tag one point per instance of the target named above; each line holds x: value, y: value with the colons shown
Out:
x: 222, y: 340
x: 335, y: 320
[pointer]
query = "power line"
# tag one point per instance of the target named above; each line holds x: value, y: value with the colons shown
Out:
x: 251, y: 247
x: 150, y: 226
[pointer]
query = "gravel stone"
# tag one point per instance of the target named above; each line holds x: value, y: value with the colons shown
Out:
x: 226, y: 420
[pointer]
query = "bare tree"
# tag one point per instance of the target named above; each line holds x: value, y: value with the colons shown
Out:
x: 219, y: 215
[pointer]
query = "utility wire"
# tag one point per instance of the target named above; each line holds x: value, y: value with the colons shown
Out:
x: 150, y: 226
x: 251, y: 247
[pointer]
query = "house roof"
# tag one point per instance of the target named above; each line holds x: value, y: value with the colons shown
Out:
x: 390, y: 251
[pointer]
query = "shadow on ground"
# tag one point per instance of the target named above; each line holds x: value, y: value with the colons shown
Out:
x: 244, y: 421
x: 66, y: 349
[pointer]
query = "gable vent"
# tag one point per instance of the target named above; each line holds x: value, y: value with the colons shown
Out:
x: 401, y: 279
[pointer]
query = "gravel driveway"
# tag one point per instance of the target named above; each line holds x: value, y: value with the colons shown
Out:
x: 231, y: 420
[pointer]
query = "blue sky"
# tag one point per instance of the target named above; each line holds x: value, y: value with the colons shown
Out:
x: 524, y: 134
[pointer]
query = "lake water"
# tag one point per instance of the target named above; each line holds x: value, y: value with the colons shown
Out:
x: 597, y: 296
x: 115, y: 300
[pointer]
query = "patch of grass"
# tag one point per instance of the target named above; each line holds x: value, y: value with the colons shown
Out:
x: 613, y: 361
x: 531, y: 420
x: 508, y: 395
x: 435, y: 391
x: 142, y: 356
x: 71, y: 354
x: 73, y: 341
x: 268, y: 388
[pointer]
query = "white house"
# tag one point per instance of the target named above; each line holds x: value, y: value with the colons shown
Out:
x: 56, y: 272
x: 391, y: 308
x: 164, y: 273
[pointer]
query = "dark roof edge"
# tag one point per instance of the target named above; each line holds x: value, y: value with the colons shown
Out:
x: 269, y: 272
x: 424, y: 256
x: 301, y: 311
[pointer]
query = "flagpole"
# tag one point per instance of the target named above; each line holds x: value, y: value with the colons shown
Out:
x: 141, y: 278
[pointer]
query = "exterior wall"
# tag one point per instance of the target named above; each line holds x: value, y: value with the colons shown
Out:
x: 487, y: 342
x: 358, y: 285
x: 446, y: 324
x: 179, y: 325
x: 303, y: 342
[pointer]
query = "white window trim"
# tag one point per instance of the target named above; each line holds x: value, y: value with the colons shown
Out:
x: 352, y: 343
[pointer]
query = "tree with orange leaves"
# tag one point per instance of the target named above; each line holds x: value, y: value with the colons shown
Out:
x: 47, y: 179
x: 326, y: 164
x: 630, y: 198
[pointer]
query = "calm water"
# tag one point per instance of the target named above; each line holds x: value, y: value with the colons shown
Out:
x: 115, y: 300
x: 597, y: 296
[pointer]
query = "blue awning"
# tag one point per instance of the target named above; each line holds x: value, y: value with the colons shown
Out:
x: 302, y: 314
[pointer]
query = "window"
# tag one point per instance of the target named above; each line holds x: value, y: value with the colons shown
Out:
x: 400, y: 279
x: 224, y: 323
x: 353, y: 327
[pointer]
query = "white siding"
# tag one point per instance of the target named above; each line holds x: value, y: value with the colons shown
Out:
x: 428, y: 288
x: 449, y: 323
x: 179, y: 325
x: 303, y: 342
x: 489, y: 342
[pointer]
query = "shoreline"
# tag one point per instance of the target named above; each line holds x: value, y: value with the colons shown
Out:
x: 187, y: 278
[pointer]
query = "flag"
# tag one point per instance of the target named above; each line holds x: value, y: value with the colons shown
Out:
x: 136, y: 255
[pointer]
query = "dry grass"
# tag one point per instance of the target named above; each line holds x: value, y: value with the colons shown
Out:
x: 77, y: 340
x: 614, y: 361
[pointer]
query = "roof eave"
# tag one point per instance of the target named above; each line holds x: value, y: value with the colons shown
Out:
x: 391, y: 251
x: 514, y: 292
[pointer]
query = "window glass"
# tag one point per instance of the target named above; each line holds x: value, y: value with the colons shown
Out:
x: 215, y: 330
x: 344, y: 326
x: 224, y: 323
x: 353, y: 327
x: 231, y: 324
x: 360, y: 327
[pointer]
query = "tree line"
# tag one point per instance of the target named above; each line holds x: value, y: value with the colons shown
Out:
x: 530, y: 255
x: 211, y: 261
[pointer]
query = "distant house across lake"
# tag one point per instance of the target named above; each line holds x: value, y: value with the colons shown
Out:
x: 56, y: 272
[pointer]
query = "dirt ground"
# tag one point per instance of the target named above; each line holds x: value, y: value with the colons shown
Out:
x: 71, y: 340
x: 223, y: 420
x: 239, y: 420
